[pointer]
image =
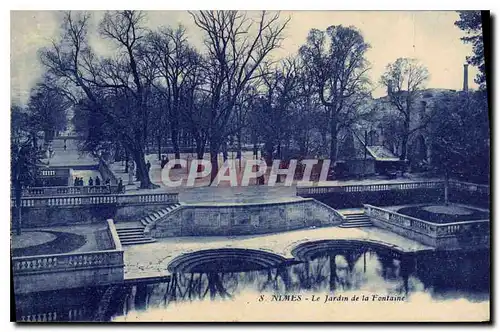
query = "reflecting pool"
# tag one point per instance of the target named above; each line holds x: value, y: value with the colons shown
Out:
x: 325, y: 273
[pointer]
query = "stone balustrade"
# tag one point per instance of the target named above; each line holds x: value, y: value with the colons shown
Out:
x: 437, y: 235
x: 67, y: 262
x: 402, y: 220
x: 471, y: 187
x: 370, y: 187
x: 78, y: 269
x: 147, y: 198
x: 79, y: 200
x: 71, y: 190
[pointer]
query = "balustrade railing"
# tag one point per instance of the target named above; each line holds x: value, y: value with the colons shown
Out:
x: 147, y: 198
x: 98, y: 199
x: 370, y: 187
x: 67, y: 262
x: 71, y: 190
x: 426, y: 227
x: 435, y: 184
x: 471, y: 187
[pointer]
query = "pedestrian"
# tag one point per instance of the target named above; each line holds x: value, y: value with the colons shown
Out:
x: 164, y: 161
x: 107, y: 182
x: 75, y: 183
x: 65, y: 145
x: 97, y: 181
x: 91, y: 182
x: 148, y: 166
x: 120, y: 186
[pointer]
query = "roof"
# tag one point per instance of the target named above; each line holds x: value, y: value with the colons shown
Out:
x: 381, y: 153
x: 352, y: 147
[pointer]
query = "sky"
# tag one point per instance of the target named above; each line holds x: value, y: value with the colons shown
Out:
x: 429, y: 36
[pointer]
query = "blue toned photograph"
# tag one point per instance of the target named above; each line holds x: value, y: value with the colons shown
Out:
x: 250, y: 166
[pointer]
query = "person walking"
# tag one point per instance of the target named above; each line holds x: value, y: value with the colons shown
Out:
x: 148, y: 166
x: 97, y: 181
x: 91, y: 182
x: 120, y: 186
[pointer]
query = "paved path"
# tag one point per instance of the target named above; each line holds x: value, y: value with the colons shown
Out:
x: 152, y: 259
x: 69, y: 156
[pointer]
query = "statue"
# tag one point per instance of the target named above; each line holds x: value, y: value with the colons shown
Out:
x: 131, y: 169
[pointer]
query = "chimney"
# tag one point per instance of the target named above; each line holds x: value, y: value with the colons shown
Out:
x: 466, y: 77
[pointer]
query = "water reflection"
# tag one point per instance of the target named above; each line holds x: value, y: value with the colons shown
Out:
x: 330, y: 270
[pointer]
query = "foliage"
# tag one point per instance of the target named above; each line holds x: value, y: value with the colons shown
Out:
x: 470, y: 22
x: 461, y: 137
x: 48, y: 110
x: 335, y: 62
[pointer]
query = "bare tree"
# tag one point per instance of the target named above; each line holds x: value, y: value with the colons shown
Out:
x: 275, y: 110
x: 335, y: 59
x: 403, y: 79
x: 176, y: 60
x: 236, y: 46
x: 77, y: 69
x: 48, y: 109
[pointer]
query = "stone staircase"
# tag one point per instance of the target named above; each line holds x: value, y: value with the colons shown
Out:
x: 356, y: 219
x: 131, y: 233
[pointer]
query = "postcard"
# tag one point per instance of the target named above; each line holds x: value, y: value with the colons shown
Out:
x: 250, y: 166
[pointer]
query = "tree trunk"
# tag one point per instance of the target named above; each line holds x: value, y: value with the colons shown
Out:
x: 269, y: 154
x: 238, y: 143
x: 175, y: 144
x: 446, y: 187
x: 35, y: 142
x: 224, y: 152
x: 404, y: 143
x: 200, y: 148
x: 214, y: 153
x: 126, y: 160
x: 333, y: 142
x: 158, y: 140
x: 142, y: 172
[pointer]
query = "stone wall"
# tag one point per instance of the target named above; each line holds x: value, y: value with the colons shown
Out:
x: 46, y: 216
x: 459, y: 235
x: 243, y: 219
x: 64, y: 215
x: 46, y: 281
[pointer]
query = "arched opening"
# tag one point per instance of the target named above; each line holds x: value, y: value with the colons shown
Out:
x: 225, y: 260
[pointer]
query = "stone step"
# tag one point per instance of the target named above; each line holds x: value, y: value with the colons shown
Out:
x: 358, y: 218
x: 356, y: 224
x: 140, y: 234
x: 354, y: 215
x: 137, y: 241
x: 129, y: 229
